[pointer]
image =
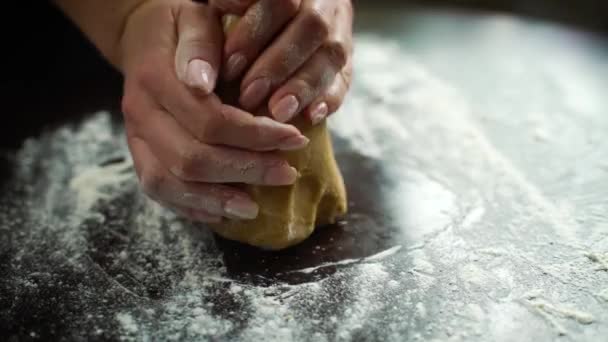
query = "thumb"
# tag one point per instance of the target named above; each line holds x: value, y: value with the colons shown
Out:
x: 199, y: 46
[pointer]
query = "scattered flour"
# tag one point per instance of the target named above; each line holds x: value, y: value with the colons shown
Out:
x: 472, y: 273
x: 550, y: 312
x: 197, y: 298
x: 127, y: 322
x: 492, y: 251
x: 603, y: 295
x: 421, y: 262
x: 372, y: 258
x: 476, y: 312
x: 541, y: 135
x: 600, y: 258
x: 367, y: 301
x: 473, y: 217
x: 89, y: 184
x: 259, y: 19
x: 421, y: 310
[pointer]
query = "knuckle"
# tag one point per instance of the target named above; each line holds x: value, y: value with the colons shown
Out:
x: 290, y: 6
x: 195, y: 42
x: 210, y: 128
x: 189, y: 165
x: 336, y: 94
x: 306, y: 90
x: 211, y: 124
x: 334, y: 102
x: 127, y: 104
x: 130, y: 109
x: 337, y: 53
x: 146, y: 73
x: 346, y: 76
x: 317, y: 22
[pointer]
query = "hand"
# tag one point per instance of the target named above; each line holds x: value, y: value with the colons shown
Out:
x: 297, y: 52
x: 184, y: 141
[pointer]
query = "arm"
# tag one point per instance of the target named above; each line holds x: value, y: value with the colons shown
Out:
x: 102, y: 21
x: 187, y: 146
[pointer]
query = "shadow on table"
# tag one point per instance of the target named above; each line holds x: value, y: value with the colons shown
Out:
x: 364, y: 231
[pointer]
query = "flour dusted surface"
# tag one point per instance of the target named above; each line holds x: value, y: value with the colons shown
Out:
x: 90, y: 257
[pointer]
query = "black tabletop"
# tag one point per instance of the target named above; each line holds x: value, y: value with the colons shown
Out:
x: 473, y: 147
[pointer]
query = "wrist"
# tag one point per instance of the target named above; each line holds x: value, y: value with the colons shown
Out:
x: 102, y: 22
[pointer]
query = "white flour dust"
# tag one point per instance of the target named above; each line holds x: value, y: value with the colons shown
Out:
x: 467, y: 232
x: 90, y: 184
x: 551, y: 312
x: 372, y: 258
x: 154, y: 245
x: 603, y: 295
x: 599, y: 258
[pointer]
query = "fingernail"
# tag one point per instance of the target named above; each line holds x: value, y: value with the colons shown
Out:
x: 241, y: 208
x: 294, y: 143
x: 319, y: 113
x: 235, y: 65
x: 280, y: 175
x: 286, y: 108
x: 255, y: 93
x: 199, y: 75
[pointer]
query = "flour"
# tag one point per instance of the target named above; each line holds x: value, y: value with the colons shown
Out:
x: 496, y: 252
x: 421, y: 262
x: 463, y: 228
x: 541, y: 135
x: 273, y: 312
x: 259, y: 20
x: 550, y: 312
x: 471, y: 273
x: 473, y: 217
x: 382, y: 255
x: 600, y: 258
x: 90, y: 183
x: 372, y: 258
x: 603, y: 295
x: 421, y: 310
x: 127, y: 322
x: 368, y: 300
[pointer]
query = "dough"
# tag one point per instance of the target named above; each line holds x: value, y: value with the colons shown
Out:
x: 289, y: 214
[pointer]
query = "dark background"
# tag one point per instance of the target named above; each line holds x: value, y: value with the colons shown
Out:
x: 53, y: 74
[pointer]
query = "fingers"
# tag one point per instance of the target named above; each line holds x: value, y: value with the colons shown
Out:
x: 331, y: 100
x: 198, y: 201
x: 191, y: 160
x: 232, y: 6
x: 254, y: 31
x: 204, y: 117
x: 341, y: 40
x: 211, y: 122
x: 199, y: 47
x: 296, y: 45
x: 306, y: 85
x: 214, y: 123
x: 318, y: 76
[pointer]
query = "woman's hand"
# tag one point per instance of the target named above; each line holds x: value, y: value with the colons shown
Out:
x: 295, y: 52
x: 184, y: 141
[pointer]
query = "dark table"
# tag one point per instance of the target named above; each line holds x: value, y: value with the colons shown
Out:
x: 475, y: 154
